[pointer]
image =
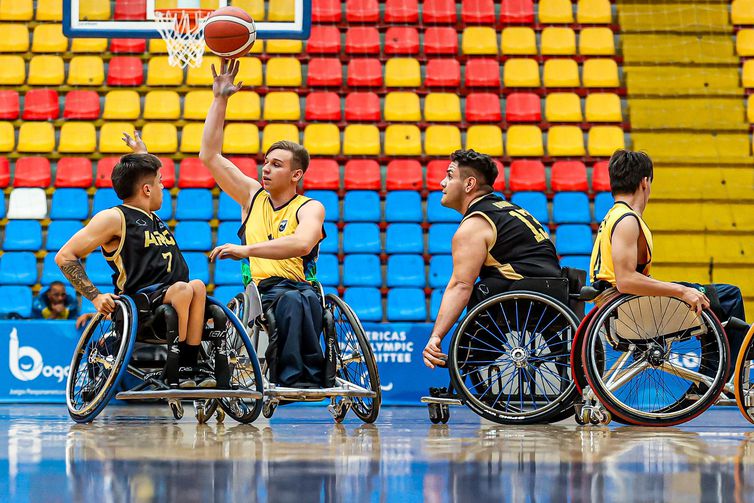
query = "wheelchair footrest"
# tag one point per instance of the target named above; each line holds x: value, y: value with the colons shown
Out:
x: 441, y: 400
x: 188, y: 394
x: 284, y: 393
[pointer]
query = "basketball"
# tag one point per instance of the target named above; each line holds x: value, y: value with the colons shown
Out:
x: 230, y: 32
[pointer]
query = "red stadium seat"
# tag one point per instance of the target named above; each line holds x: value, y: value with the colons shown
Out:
x: 436, y: 171
x: 401, y: 11
x: 483, y: 107
x: 440, y: 40
x: 404, y: 174
x: 362, y: 11
x: 322, y: 174
x: 600, y: 177
x: 439, y: 11
x: 401, y: 40
x: 32, y: 172
x: 499, y: 184
x: 362, y: 174
x: 326, y: 11
x: 4, y: 172
x: 324, y: 40
x: 517, y: 12
x: 193, y: 174
x: 322, y: 107
x: 130, y: 10
x: 527, y: 176
x: 363, y: 107
x: 325, y: 72
x: 103, y: 177
x: 125, y: 71
x: 41, y: 104
x: 364, y: 72
x: 82, y: 105
x: 482, y: 72
x: 74, y: 172
x: 568, y: 176
x: 168, y: 172
x: 523, y: 107
x: 362, y: 40
x: 478, y: 11
x: 128, y: 46
x: 9, y: 105
x: 247, y: 165
x: 443, y: 73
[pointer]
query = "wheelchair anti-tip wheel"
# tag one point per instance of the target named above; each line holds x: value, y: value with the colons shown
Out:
x: 743, y: 377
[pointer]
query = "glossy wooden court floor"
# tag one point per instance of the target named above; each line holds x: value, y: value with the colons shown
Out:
x: 141, y: 454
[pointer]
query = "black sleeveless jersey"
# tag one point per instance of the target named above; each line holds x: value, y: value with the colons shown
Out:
x: 522, y: 248
x: 147, y: 255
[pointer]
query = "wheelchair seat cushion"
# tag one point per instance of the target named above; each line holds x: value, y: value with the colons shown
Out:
x: 556, y: 288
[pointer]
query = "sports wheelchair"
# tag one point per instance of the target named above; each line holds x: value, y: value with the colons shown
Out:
x: 113, y: 346
x: 350, y: 362
x: 509, y: 356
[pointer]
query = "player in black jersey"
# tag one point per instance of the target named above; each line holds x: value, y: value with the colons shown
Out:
x: 497, y: 242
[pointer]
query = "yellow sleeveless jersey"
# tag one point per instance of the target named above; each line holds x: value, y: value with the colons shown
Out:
x: 265, y: 223
x: 601, y: 265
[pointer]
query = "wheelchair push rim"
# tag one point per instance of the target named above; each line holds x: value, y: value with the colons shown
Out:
x: 743, y: 378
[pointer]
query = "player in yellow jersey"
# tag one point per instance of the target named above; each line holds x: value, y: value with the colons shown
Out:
x: 280, y: 238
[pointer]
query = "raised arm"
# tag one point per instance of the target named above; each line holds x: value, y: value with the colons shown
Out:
x: 227, y: 175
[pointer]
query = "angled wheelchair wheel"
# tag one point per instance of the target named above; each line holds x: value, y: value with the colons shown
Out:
x: 651, y: 361
x: 356, y: 363
x: 100, y: 360
x: 743, y: 377
x: 510, y: 358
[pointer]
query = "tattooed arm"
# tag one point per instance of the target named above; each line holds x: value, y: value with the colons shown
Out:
x: 103, y: 229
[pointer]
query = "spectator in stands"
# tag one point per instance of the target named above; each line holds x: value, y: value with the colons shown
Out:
x: 54, y: 303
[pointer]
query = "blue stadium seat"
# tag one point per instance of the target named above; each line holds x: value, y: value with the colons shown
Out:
x: 23, y: 235
x: 602, y: 204
x: 50, y: 271
x: 166, y: 210
x: 406, y: 304
x: 104, y: 199
x: 194, y: 236
x: 434, y: 303
x: 404, y: 238
x: 227, y: 208
x: 194, y: 204
x: 366, y: 303
x: 573, y: 239
x: 405, y: 270
x: 69, y: 204
x: 198, y: 265
x: 361, y: 238
x: 330, y: 290
x: 440, y: 269
x: 571, y: 208
x: 227, y: 232
x: 18, y: 268
x: 577, y: 262
x: 15, y: 299
x: 403, y: 206
x: 2, y: 205
x: 98, y: 270
x: 59, y: 232
x: 225, y: 293
x: 361, y: 206
x: 329, y: 200
x: 328, y: 272
x: 441, y: 237
x: 228, y: 272
x: 330, y: 243
x: 533, y: 202
x: 439, y: 213
x: 362, y: 270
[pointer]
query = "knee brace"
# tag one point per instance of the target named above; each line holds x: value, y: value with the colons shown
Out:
x: 167, y: 313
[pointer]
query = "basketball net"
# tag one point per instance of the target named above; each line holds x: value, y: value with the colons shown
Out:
x: 183, y: 33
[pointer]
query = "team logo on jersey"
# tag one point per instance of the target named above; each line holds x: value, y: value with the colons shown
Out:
x: 282, y: 225
x: 141, y: 222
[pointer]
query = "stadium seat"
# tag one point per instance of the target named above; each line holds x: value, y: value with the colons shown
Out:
x: 406, y: 304
x: 478, y: 11
x: 276, y: 132
x: 403, y: 206
x: 228, y: 209
x: 58, y: 233
x: 601, y: 72
x: 401, y: 11
x: 402, y: 107
x: 404, y: 238
x: 7, y: 137
x: 325, y: 72
x: 523, y: 107
x: 193, y: 173
x: 49, y: 38
x: 44, y: 70
x: 329, y: 200
x: 15, y: 301
x: 362, y: 107
x: 18, y: 268
x: 74, y: 172
x: 227, y: 232
x: 403, y: 72
x: 594, y: 12
x: 440, y: 270
x: 485, y: 138
x: 324, y: 40
x: 86, y: 71
x: 326, y: 11
x: 16, y: 38
x: 251, y: 72
x: 362, y: 40
x: 527, y: 176
x: 483, y: 107
x: 745, y: 42
x: 332, y: 238
x: 742, y: 12
x: 565, y: 141
x: 328, y: 270
x: 600, y: 177
x: 36, y: 137
x: 103, y: 199
x: 166, y: 210
x: 442, y: 140
x: 161, y: 105
x: 228, y: 272
x: 322, y: 139
x: 122, y: 105
x: 32, y: 172
x: 125, y: 71
x: 361, y: 238
x: 361, y: 206
x: 403, y: 139
x: 517, y: 12
x: 404, y: 175
x: 194, y: 236
x: 750, y: 109
x: 161, y: 73
x: 603, y: 201
x: 481, y: 72
x: 596, y: 42
x: 479, y: 40
x: 195, y: 104
x: 440, y: 237
x: 568, y: 176
x: 103, y: 176
x: 436, y: 171
x: 322, y: 106
x: 322, y: 174
x: 9, y: 105
x: 401, y: 40
x: 561, y: 73
x: 573, y: 239
x: 533, y: 202
x: 13, y: 71
x: 362, y: 11
x: 194, y: 204
x: 519, y: 72
x: 524, y: 141
x: 362, y: 174
x: 571, y: 208
x: 22, y: 235
x: 110, y: 137
x: 364, y: 72
x: 443, y: 107
x: 555, y: 11
x: 167, y: 172
x: 563, y: 107
x: 440, y: 40
x: 69, y: 204
x: 281, y: 106
x: 233, y: 142
x: 518, y: 41
x: 366, y: 303
x: 434, y: 304
x: 439, y: 11
x: 747, y: 75
x: 247, y: 165
x: 283, y: 72
x: 603, y: 107
x: 47, y: 10
x: 239, y: 138
x: 242, y: 106
x: 437, y: 213
x: 198, y: 265
x: 4, y: 181
x: 362, y: 270
x: 405, y: 271
x: 445, y: 73
x: 81, y: 105
x: 51, y: 272
x: 283, y: 46
x: 78, y: 137
x: 558, y: 41
x: 604, y: 140
x: 89, y: 45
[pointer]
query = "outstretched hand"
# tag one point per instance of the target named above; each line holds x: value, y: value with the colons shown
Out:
x: 136, y: 143
x: 228, y: 250
x: 223, y: 84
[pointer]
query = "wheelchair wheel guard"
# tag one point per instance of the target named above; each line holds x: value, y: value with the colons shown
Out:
x: 743, y: 378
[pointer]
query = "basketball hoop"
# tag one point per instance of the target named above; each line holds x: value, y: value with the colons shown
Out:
x: 182, y: 31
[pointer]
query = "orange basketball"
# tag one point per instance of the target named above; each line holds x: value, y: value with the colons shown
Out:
x: 230, y: 32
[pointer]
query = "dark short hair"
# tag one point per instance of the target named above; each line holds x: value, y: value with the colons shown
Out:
x: 482, y: 165
x: 131, y: 171
x: 56, y: 283
x: 627, y: 169
x: 300, y: 159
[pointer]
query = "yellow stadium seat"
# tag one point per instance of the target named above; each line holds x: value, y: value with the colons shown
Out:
x: 49, y: 38
x: 284, y: 46
x: 403, y: 72
x: 111, y: 137
x: 442, y: 140
x: 43, y: 70
x: 603, y: 107
x: 281, y: 106
x: 745, y: 42
x: 565, y: 141
x: 596, y: 42
x: 601, y: 73
x: 89, y: 45
x: 747, y: 78
x: 442, y: 107
x: 243, y: 106
x: 523, y: 141
x: 280, y: 10
x: 276, y: 132
x: 16, y: 38
x: 403, y: 139
x: 255, y: 8
x: 78, y: 138
x: 202, y: 74
x: 122, y: 105
x: 558, y: 41
x: 94, y: 10
x: 519, y: 40
x: 594, y: 12
x: 160, y: 73
x: 86, y: 71
x: 519, y: 72
x: 322, y: 139
x: 604, y: 140
x: 563, y: 107
x: 283, y: 72
x: 157, y: 46
x: 250, y: 72
x: 555, y: 11
x: 161, y: 137
x: 7, y: 136
x: 561, y: 73
x: 196, y: 104
x: 163, y: 105
x: 36, y: 137
x: 485, y: 138
x: 750, y: 109
x: 191, y: 137
x: 16, y: 10
x: 402, y: 107
x: 48, y: 10
x: 361, y: 139
x: 13, y: 70
x: 479, y: 40
x: 741, y: 12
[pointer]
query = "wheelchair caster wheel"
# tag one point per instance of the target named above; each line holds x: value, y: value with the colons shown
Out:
x: 177, y: 408
x: 204, y: 410
x: 220, y: 415
x: 268, y: 409
x: 585, y: 417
